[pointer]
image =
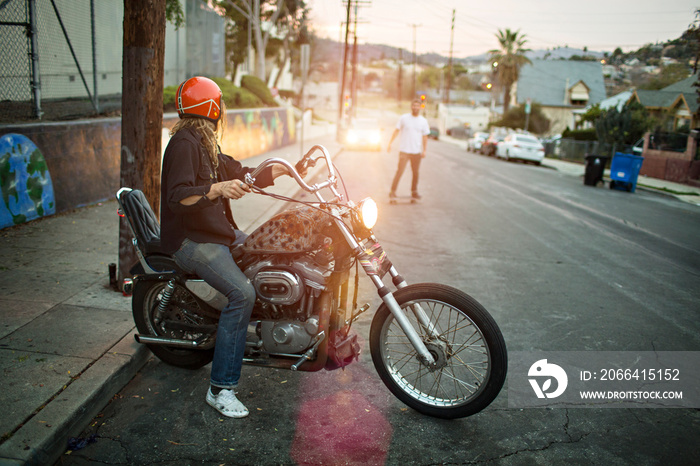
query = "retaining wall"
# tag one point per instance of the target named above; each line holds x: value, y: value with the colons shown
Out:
x: 48, y: 168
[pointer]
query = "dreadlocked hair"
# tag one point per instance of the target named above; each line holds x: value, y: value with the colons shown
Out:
x: 211, y: 133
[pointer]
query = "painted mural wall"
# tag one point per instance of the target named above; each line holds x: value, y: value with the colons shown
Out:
x: 25, y: 182
x: 48, y: 168
x: 251, y: 132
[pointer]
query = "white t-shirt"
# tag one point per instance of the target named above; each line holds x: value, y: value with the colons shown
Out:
x: 412, y: 129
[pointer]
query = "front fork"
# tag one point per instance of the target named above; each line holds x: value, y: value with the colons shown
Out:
x: 405, y: 324
x: 372, y: 261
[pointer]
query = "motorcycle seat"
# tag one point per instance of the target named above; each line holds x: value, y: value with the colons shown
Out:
x: 144, y: 222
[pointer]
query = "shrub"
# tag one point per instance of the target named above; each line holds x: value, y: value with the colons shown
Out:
x: 580, y: 134
x: 259, y: 88
x: 515, y: 118
x: 169, y: 99
x: 286, y: 94
x: 243, y: 98
x: 237, y: 97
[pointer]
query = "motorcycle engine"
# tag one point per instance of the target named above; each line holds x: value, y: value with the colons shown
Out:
x: 281, y: 282
x: 288, y: 336
x: 278, y: 286
x: 286, y: 291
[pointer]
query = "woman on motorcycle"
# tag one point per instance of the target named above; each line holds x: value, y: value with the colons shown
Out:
x: 198, y: 229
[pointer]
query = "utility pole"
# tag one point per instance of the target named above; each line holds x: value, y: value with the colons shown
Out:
x: 353, y: 89
x: 398, y: 96
x: 344, y: 72
x: 448, y: 81
x: 142, y: 111
x: 413, y: 89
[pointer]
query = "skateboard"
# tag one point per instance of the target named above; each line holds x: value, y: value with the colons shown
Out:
x: 403, y: 200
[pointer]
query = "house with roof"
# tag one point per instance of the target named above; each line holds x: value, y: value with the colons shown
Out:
x: 560, y: 87
x: 675, y: 105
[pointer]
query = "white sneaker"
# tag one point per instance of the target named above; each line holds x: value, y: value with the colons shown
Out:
x: 227, y: 403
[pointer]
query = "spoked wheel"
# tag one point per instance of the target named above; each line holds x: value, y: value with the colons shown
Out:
x: 179, y: 321
x: 467, y: 345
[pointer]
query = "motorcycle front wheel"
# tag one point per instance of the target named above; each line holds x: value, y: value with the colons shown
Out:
x: 465, y: 341
x: 182, y: 309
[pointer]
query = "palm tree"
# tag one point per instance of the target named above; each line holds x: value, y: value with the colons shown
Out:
x: 508, y: 60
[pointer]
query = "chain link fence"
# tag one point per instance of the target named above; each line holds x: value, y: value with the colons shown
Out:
x: 62, y: 59
x: 576, y: 151
x: 15, y: 62
x: 53, y: 63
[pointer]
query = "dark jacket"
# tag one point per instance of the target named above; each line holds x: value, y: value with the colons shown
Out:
x: 187, y: 171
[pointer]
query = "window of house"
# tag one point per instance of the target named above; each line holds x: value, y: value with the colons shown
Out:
x: 578, y: 94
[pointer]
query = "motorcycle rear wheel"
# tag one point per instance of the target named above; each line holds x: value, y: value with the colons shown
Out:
x: 183, y: 306
x: 469, y: 349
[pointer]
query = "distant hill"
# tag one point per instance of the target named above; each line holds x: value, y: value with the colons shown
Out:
x: 683, y: 47
x: 328, y: 49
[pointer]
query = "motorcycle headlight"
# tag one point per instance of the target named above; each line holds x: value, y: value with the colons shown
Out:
x: 368, y: 212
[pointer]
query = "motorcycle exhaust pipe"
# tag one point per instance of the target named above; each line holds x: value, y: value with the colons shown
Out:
x: 150, y: 340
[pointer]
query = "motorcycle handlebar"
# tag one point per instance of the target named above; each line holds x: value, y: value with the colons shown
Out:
x: 330, y: 181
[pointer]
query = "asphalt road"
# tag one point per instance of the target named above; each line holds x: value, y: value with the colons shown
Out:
x: 561, y: 267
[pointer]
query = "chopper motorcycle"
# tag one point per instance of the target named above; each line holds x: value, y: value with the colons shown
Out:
x: 434, y: 347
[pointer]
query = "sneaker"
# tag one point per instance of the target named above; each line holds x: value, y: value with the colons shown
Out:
x: 415, y: 195
x: 227, y: 404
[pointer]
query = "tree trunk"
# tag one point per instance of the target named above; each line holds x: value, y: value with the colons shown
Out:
x: 142, y: 110
x: 506, y: 99
x: 285, y: 57
x: 259, y: 53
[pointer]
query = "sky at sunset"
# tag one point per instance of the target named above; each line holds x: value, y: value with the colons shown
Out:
x: 600, y: 25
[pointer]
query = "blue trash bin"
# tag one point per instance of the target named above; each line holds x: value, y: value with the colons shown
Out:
x: 624, y: 171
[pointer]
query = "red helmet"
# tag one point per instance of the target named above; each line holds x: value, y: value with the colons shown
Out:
x: 199, y: 97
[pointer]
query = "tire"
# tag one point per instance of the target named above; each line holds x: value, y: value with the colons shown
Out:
x: 183, y: 307
x: 475, y: 379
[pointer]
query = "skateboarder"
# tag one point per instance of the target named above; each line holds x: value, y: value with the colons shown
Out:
x: 413, y: 130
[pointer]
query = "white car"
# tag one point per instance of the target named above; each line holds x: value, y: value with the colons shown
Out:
x: 521, y: 147
x: 474, y: 142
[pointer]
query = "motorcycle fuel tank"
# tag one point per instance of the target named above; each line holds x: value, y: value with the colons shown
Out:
x: 292, y: 231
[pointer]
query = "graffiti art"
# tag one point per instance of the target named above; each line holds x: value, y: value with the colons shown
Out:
x: 25, y: 182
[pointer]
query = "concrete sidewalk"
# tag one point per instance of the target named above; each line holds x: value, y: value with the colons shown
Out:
x: 683, y: 192
x: 66, y: 340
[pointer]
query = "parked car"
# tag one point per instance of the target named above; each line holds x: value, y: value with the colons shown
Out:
x: 474, y: 142
x: 363, y: 133
x: 459, y: 132
x: 488, y: 147
x: 434, y: 133
x: 522, y: 147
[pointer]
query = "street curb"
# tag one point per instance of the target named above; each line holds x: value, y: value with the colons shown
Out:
x: 44, y: 437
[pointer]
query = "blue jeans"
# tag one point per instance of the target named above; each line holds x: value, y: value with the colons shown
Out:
x: 214, y: 264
